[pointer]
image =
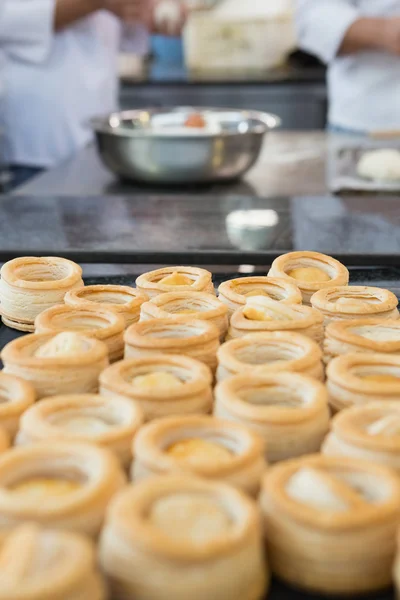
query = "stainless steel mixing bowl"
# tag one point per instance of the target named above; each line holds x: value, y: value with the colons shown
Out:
x: 154, y: 146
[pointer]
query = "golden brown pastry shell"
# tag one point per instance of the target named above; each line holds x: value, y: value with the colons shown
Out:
x: 149, y: 283
x: 121, y: 299
x: 82, y: 510
x: 207, y: 307
x: 101, y: 323
x: 193, y: 397
x: 233, y: 564
x: 374, y: 302
x: 349, y: 435
x: 324, y: 543
x: 347, y: 388
x: 125, y: 417
x: 338, y: 273
x: 74, y: 373
x: 197, y: 339
x: 233, y: 292
x: 67, y: 567
x: 266, y: 353
x: 243, y: 471
x: 16, y: 396
x: 309, y: 322
x: 288, y: 431
x: 30, y: 285
x: 340, y: 338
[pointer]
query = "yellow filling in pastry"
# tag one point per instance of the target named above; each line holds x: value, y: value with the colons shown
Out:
x: 191, y: 518
x: 63, y: 344
x: 309, y: 274
x: 176, y: 279
x: 158, y: 381
x: 381, y: 378
x: 256, y: 314
x: 256, y: 293
x: 259, y: 308
x: 42, y: 487
x: 196, y: 451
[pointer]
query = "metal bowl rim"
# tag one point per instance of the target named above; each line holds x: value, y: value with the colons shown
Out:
x: 266, y: 122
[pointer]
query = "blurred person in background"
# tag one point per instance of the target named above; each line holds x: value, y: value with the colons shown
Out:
x: 60, y: 70
x: 360, y: 42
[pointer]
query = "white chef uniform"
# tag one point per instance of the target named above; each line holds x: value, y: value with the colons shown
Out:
x: 54, y: 82
x: 365, y: 86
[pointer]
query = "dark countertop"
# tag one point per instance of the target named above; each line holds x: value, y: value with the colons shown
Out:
x: 171, y: 75
x: 196, y: 229
x: 290, y: 164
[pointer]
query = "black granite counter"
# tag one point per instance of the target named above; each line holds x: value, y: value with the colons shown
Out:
x: 200, y: 229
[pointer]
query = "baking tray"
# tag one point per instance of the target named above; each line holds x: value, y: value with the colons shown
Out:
x: 384, y: 276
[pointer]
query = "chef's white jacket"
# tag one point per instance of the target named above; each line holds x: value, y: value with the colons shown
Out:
x: 54, y: 82
x: 365, y: 86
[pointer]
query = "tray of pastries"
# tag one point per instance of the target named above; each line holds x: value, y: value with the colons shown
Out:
x: 185, y: 434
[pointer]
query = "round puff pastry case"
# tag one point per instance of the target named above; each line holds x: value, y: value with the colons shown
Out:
x: 16, y: 396
x: 175, y: 279
x: 101, y: 323
x: 63, y: 363
x: 180, y: 537
x: 235, y: 292
x: 270, y: 352
x: 355, y: 302
x: 310, y: 271
x: 30, y: 285
x: 58, y: 485
x: 163, y: 385
x: 362, y: 335
x: 289, y: 411
x: 111, y: 423
x: 121, y: 299
x: 356, y: 379
x: 371, y: 432
x: 331, y: 523
x: 197, y: 339
x: 187, y: 306
x: 47, y: 564
x: 203, y: 446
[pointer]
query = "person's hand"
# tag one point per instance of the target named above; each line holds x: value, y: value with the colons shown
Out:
x: 168, y: 16
x: 391, y: 36
x: 130, y: 11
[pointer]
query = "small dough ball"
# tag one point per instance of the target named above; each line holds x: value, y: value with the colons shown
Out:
x: 380, y: 164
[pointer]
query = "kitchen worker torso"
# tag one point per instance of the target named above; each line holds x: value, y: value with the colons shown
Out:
x: 49, y: 103
x: 365, y: 86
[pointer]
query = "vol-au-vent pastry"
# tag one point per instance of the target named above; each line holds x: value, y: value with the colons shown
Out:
x: 61, y: 485
x: 30, y: 285
x: 289, y: 411
x: 362, y: 335
x: 183, y: 537
x: 270, y: 352
x: 197, y: 339
x: 356, y: 379
x: 101, y: 323
x: 121, y: 299
x: 175, y: 279
x: 48, y: 564
x: 108, y: 422
x: 331, y: 523
x: 203, y: 446
x: 310, y: 271
x: 235, y: 292
x: 187, y: 306
x: 16, y: 396
x: 263, y: 314
x: 163, y: 385
x: 54, y: 364
x: 355, y: 302
x: 371, y: 432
